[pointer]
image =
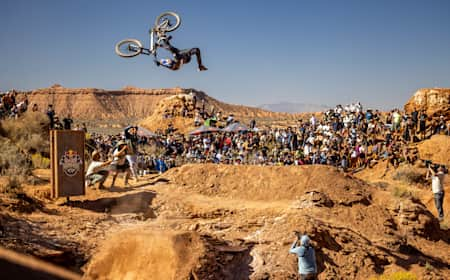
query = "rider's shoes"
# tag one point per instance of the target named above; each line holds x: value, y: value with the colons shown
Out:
x: 202, y: 68
x: 157, y: 63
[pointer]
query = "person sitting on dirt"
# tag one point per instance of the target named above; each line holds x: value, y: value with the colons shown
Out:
x: 120, y: 163
x: 97, y: 171
x: 307, y: 267
x: 180, y: 57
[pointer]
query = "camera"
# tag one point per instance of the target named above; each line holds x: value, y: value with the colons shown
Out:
x: 435, y: 166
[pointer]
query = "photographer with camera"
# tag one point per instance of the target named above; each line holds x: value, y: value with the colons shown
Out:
x: 307, y: 267
x: 437, y: 186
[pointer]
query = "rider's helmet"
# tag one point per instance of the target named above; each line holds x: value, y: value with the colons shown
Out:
x: 167, y: 62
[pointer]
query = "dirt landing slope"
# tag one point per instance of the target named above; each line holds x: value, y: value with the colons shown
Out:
x: 270, y: 183
x: 144, y: 254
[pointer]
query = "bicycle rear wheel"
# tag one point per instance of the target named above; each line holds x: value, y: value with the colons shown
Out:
x: 167, y: 22
x: 128, y: 48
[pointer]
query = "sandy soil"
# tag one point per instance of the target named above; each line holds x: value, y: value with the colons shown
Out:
x: 231, y: 222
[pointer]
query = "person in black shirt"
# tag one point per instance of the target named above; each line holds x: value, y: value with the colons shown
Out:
x: 67, y: 122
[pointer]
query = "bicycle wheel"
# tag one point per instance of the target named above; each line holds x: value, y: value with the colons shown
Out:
x: 167, y: 22
x: 128, y: 48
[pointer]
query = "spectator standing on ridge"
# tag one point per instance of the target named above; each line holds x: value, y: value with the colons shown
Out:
x: 437, y: 186
x: 51, y: 115
x: 307, y: 267
x: 120, y: 163
x: 131, y: 140
x: 422, y: 125
x: 57, y: 123
x: 67, y: 121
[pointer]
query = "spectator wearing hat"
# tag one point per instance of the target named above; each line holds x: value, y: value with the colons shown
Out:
x: 307, y: 267
x: 97, y: 171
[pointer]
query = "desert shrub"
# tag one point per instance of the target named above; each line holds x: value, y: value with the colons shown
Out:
x: 399, y: 275
x: 13, y: 162
x: 409, y: 175
x: 13, y: 186
x: 403, y: 192
x: 29, y: 133
x: 40, y: 161
x: 19, y: 139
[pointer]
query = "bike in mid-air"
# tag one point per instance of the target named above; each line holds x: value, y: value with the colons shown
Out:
x: 165, y: 23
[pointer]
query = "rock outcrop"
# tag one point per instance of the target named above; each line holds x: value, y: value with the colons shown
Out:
x: 140, y: 105
x: 435, y: 101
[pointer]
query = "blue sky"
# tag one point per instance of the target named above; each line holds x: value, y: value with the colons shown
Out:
x: 378, y: 52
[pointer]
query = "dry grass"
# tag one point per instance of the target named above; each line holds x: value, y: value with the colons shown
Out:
x: 400, y: 275
x: 404, y: 192
x: 13, y: 186
x: 29, y: 133
x: 409, y: 174
x: 21, y: 141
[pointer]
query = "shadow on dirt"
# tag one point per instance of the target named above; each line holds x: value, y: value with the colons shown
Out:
x: 414, y: 256
x: 146, y: 184
x: 26, y: 237
x: 224, y: 260
x: 23, y: 203
x: 130, y: 203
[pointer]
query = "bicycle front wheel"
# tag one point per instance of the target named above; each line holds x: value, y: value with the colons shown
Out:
x: 167, y: 22
x: 128, y: 48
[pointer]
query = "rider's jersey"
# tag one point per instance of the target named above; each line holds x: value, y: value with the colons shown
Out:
x: 167, y: 62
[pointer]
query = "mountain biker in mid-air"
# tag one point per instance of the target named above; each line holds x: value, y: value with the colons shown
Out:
x: 180, y: 57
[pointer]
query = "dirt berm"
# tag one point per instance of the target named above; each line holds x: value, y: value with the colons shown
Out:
x: 237, y: 222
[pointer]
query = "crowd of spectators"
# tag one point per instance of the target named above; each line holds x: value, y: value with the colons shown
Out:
x: 10, y: 106
x: 348, y: 137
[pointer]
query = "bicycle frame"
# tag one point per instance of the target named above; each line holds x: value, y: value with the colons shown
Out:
x: 153, y: 42
x: 157, y: 37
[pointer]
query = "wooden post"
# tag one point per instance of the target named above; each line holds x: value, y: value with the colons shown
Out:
x: 67, y: 163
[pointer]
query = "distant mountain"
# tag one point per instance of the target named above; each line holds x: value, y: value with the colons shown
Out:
x: 289, y: 107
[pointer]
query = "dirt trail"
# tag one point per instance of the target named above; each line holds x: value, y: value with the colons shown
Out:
x: 232, y: 222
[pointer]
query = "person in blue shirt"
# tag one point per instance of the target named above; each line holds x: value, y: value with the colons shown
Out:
x: 307, y: 267
x: 161, y: 165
